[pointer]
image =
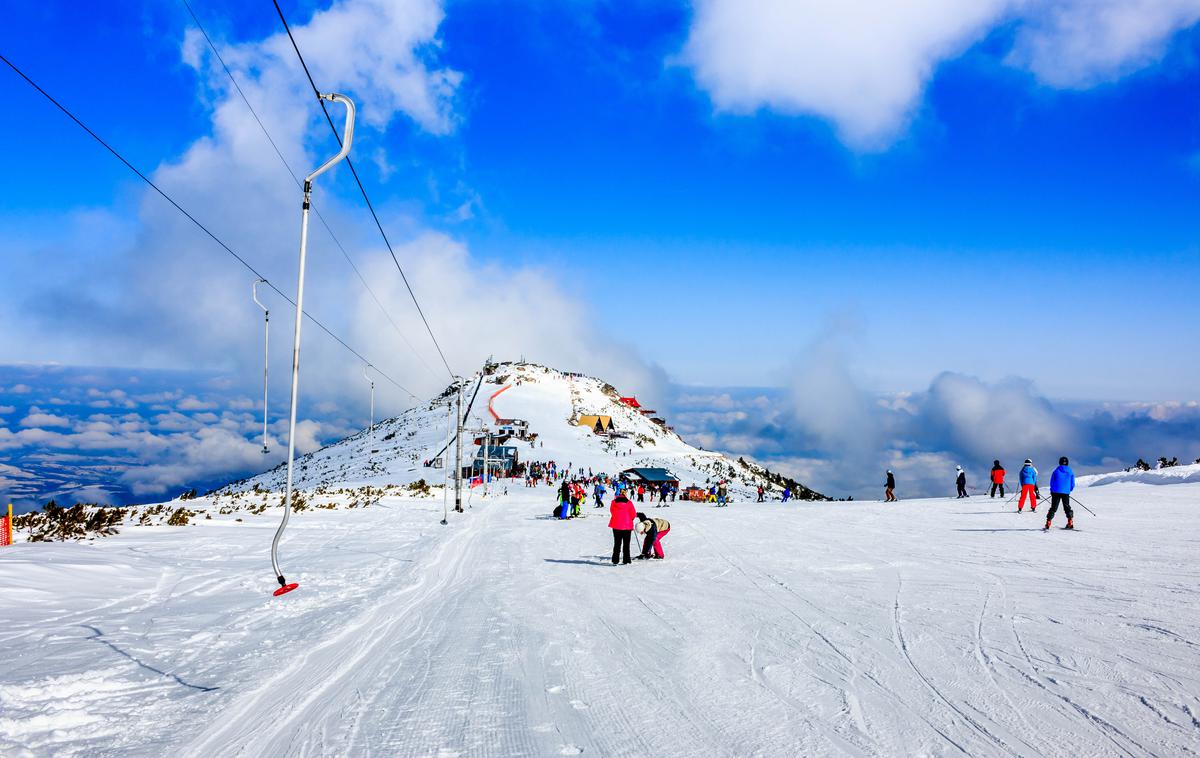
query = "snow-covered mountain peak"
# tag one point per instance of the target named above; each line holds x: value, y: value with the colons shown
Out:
x: 544, y: 414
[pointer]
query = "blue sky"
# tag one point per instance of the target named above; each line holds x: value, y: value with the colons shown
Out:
x: 689, y: 197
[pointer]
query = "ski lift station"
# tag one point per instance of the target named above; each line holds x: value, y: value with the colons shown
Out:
x: 502, y: 460
x: 650, y: 475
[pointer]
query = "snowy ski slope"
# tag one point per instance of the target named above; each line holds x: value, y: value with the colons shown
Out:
x: 925, y: 627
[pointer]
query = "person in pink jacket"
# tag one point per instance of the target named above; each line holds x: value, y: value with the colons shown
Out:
x: 621, y: 523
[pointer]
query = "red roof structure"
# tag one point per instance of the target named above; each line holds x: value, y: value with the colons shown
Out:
x: 631, y: 402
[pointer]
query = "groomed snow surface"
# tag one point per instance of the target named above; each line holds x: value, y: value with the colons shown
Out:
x: 936, y: 627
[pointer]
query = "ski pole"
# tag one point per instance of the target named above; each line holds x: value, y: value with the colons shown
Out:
x: 1081, y: 505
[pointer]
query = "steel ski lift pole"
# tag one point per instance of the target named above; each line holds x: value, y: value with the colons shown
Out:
x: 347, y: 139
x: 371, y: 427
x: 445, y: 464
x: 458, y: 449
x: 266, y: 354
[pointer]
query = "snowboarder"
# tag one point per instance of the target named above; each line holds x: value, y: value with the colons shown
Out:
x: 889, y: 488
x: 621, y: 522
x: 962, y: 482
x: 997, y: 478
x: 1062, y: 483
x: 654, y: 529
x: 1029, y: 489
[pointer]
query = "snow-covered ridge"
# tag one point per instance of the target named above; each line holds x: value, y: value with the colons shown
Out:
x: 1172, y: 475
x: 551, y: 401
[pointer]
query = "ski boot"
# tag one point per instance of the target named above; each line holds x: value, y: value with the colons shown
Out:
x: 1070, y: 524
x: 1046, y: 528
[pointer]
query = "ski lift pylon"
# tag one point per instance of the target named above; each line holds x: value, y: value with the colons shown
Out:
x: 347, y: 138
x: 371, y: 427
x: 266, y: 354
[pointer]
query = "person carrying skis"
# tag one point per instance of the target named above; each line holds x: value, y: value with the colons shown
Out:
x: 962, y: 482
x: 1062, y: 484
x: 1028, y: 478
x: 621, y: 522
x: 889, y: 488
x: 654, y: 529
x: 599, y: 491
x: 997, y: 478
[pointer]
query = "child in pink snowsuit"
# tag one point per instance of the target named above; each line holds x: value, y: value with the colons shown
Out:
x: 654, y: 529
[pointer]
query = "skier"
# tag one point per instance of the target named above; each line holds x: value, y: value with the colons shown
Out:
x: 564, y: 495
x: 997, y: 478
x: 1062, y: 483
x: 722, y: 495
x: 761, y: 492
x: 621, y: 523
x: 962, y: 482
x: 641, y: 493
x: 662, y: 496
x: 787, y: 493
x: 599, y: 493
x: 654, y: 529
x: 1029, y: 489
x: 889, y: 488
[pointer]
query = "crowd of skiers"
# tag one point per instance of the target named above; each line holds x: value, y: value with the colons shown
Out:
x: 1062, y: 484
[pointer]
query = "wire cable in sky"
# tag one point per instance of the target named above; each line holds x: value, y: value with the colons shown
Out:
x: 296, y: 179
x: 362, y: 189
x: 193, y: 219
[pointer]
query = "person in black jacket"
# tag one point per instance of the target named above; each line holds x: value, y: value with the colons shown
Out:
x: 889, y: 489
x: 962, y: 482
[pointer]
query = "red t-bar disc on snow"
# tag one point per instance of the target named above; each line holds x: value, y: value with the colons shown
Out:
x: 285, y: 589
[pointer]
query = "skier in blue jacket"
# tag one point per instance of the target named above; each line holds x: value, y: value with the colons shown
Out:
x: 1062, y: 483
x: 599, y: 491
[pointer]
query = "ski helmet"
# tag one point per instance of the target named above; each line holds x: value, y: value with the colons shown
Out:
x: 958, y: 468
x: 1063, y: 461
x: 1028, y: 462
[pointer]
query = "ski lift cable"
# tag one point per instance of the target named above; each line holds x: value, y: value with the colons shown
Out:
x: 362, y: 189
x: 193, y: 219
x: 296, y: 179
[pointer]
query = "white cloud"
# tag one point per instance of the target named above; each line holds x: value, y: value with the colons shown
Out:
x: 193, y: 403
x: 864, y: 65
x: 37, y: 418
x: 6, y: 409
x: 1081, y: 43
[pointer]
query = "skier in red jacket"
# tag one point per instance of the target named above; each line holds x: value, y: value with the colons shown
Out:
x: 621, y: 522
x: 997, y: 478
